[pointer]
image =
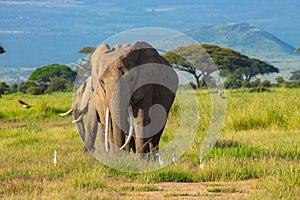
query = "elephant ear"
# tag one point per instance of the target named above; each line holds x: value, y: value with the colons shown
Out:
x: 146, y: 53
x: 98, y: 53
x: 97, y: 63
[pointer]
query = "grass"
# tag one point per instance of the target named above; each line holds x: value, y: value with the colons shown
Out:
x: 260, y: 141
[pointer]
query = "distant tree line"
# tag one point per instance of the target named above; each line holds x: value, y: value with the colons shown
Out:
x: 47, y: 79
x: 238, y: 69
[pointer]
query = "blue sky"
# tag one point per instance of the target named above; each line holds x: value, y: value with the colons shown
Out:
x: 36, y: 33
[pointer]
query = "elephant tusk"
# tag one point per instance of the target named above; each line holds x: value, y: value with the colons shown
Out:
x: 66, y: 113
x: 106, y: 129
x: 78, y: 119
x: 130, y: 128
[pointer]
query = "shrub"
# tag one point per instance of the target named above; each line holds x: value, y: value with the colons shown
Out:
x: 3, y: 87
x: 13, y: 88
x: 54, y: 70
x: 58, y: 84
x: 31, y: 87
x: 266, y: 83
x: 232, y: 82
x: 280, y: 80
x: 259, y: 89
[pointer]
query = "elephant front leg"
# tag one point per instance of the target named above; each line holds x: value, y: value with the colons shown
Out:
x: 118, y: 137
x: 142, y: 147
x: 142, y: 121
x: 91, y: 131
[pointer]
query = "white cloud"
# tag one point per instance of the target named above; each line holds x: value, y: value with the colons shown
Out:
x: 43, y: 3
x: 11, y: 32
x: 159, y: 9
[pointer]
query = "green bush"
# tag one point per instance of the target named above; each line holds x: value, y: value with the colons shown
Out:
x: 57, y: 84
x: 54, y: 70
x: 266, y: 83
x: 294, y: 84
x: 259, y: 89
x: 232, y: 82
x: 13, y: 88
x: 3, y: 88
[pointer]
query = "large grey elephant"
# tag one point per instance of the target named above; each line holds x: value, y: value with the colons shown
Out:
x: 133, y: 76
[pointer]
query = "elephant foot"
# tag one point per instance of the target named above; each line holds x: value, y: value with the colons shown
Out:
x: 88, y: 150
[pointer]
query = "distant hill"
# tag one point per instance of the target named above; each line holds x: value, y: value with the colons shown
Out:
x: 251, y: 41
x: 246, y: 39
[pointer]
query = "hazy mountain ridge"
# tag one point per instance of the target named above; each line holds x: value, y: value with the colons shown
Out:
x: 242, y: 37
x: 253, y: 42
x: 14, y: 75
x: 246, y: 39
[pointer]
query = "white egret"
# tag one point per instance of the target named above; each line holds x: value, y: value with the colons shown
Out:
x: 174, y: 158
x: 161, y: 162
x: 221, y: 94
x: 201, y: 162
x: 55, y: 158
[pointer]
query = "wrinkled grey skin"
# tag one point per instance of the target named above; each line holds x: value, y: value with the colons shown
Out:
x: 108, y: 66
x: 84, y: 104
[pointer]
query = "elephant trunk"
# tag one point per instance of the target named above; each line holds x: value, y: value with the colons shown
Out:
x: 78, y: 119
x: 119, y: 111
x: 79, y: 124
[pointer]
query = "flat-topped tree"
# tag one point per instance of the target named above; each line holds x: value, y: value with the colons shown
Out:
x: 233, y: 63
x: 86, y: 50
x: 203, y: 59
x: 193, y: 59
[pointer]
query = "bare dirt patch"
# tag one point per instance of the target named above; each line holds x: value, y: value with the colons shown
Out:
x: 171, y: 190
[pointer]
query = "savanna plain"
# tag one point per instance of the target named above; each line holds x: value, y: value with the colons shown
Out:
x: 257, y: 156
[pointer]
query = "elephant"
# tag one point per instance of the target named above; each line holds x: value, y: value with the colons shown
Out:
x: 82, y: 105
x: 133, y: 76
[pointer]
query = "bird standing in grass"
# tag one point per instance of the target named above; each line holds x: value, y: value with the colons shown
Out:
x: 55, y: 158
x: 221, y: 94
x: 24, y: 105
x: 174, y: 158
x: 201, y: 162
x: 161, y: 162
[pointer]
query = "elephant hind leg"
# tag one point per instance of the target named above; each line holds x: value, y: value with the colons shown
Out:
x: 154, y: 144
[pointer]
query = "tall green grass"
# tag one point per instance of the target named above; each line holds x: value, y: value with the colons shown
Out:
x: 260, y: 140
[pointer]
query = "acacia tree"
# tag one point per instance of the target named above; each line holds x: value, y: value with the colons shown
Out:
x: 86, y: 50
x: 233, y: 63
x: 202, y: 60
x: 193, y: 59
